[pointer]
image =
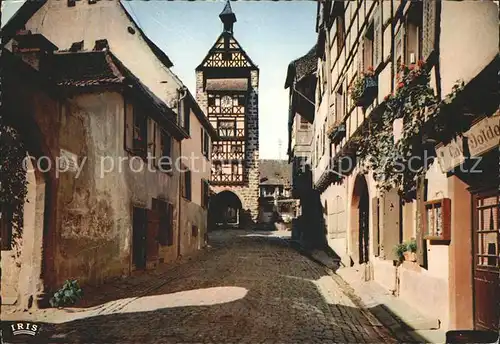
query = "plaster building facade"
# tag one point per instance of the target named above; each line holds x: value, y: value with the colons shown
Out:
x: 96, y: 96
x: 275, y: 196
x: 371, y: 55
x: 227, y: 83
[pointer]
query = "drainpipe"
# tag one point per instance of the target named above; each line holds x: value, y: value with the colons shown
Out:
x: 184, y: 93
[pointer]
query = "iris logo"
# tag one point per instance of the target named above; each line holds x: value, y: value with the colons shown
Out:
x: 27, y: 328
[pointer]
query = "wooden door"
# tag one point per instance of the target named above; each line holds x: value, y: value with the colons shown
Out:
x: 486, y: 260
x: 364, y: 234
x: 139, y: 238
x: 152, y: 235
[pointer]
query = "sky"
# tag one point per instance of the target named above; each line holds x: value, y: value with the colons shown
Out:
x: 272, y: 33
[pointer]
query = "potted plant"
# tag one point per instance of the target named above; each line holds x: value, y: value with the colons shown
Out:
x: 411, y: 250
x: 400, y: 250
x: 365, y: 88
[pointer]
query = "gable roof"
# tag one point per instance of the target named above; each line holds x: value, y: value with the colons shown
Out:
x: 302, y: 67
x: 233, y: 47
x: 29, y: 8
x: 83, y: 69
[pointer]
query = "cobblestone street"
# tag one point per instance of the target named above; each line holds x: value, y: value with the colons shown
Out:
x: 248, y: 287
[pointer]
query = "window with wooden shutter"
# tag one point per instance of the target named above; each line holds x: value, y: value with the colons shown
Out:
x: 187, y: 185
x: 368, y: 50
x: 376, y: 226
x: 205, y: 193
x: 136, y: 131
x: 129, y: 127
x: 429, y: 28
x: 398, y: 53
x: 151, y: 137
x: 377, y: 37
x: 205, y: 143
x: 391, y: 225
x: 194, y: 231
x: 187, y: 115
x: 340, y: 31
x: 152, y: 233
x: 165, y: 155
x: 413, y: 45
x: 166, y: 218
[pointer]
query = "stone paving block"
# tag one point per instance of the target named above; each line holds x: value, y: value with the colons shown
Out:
x: 248, y: 287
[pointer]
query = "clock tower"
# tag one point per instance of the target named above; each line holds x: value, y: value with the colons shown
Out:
x: 227, y: 84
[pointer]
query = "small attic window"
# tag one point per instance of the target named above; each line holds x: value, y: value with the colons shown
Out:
x: 92, y: 2
x: 71, y: 3
x: 101, y: 44
x: 77, y: 46
x: 131, y: 30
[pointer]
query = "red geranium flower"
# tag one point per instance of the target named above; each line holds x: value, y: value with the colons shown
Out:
x: 401, y: 84
x: 420, y: 63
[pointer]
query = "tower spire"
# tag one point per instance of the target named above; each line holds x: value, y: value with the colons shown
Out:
x: 228, y: 17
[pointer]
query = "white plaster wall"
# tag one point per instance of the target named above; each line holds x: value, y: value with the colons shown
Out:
x: 193, y: 157
x: 469, y: 39
x: 64, y: 25
x: 319, y: 120
x: 336, y: 219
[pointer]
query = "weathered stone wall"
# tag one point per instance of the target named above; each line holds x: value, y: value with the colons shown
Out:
x: 249, y: 193
x: 192, y: 214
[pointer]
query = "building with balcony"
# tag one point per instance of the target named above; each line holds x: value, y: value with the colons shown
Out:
x: 406, y: 105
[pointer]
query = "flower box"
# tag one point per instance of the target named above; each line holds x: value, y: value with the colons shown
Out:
x: 365, y: 88
x: 370, y: 90
x: 335, y: 134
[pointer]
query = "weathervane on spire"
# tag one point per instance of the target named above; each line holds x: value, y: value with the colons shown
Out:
x: 228, y: 17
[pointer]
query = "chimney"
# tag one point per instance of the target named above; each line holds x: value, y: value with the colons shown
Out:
x: 32, y: 48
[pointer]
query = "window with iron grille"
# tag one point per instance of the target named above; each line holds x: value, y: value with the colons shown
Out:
x: 194, y: 230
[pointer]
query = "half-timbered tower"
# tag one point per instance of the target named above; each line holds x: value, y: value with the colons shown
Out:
x: 227, y: 90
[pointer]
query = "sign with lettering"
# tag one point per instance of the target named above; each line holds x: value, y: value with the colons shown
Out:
x: 484, y: 136
x: 68, y: 161
x: 450, y: 155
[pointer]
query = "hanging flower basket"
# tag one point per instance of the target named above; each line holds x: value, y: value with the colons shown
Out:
x: 365, y: 88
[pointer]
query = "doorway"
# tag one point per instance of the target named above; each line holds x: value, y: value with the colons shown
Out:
x: 486, y: 267
x: 139, y: 238
x: 360, y: 222
x: 364, y: 230
x: 225, y: 209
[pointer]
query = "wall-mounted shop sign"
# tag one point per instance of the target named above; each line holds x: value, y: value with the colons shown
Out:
x: 481, y: 138
x: 484, y: 135
x: 451, y: 155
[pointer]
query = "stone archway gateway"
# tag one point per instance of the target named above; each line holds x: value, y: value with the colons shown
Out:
x: 225, y: 210
x: 360, y: 221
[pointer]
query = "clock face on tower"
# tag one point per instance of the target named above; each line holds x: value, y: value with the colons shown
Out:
x: 226, y: 102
